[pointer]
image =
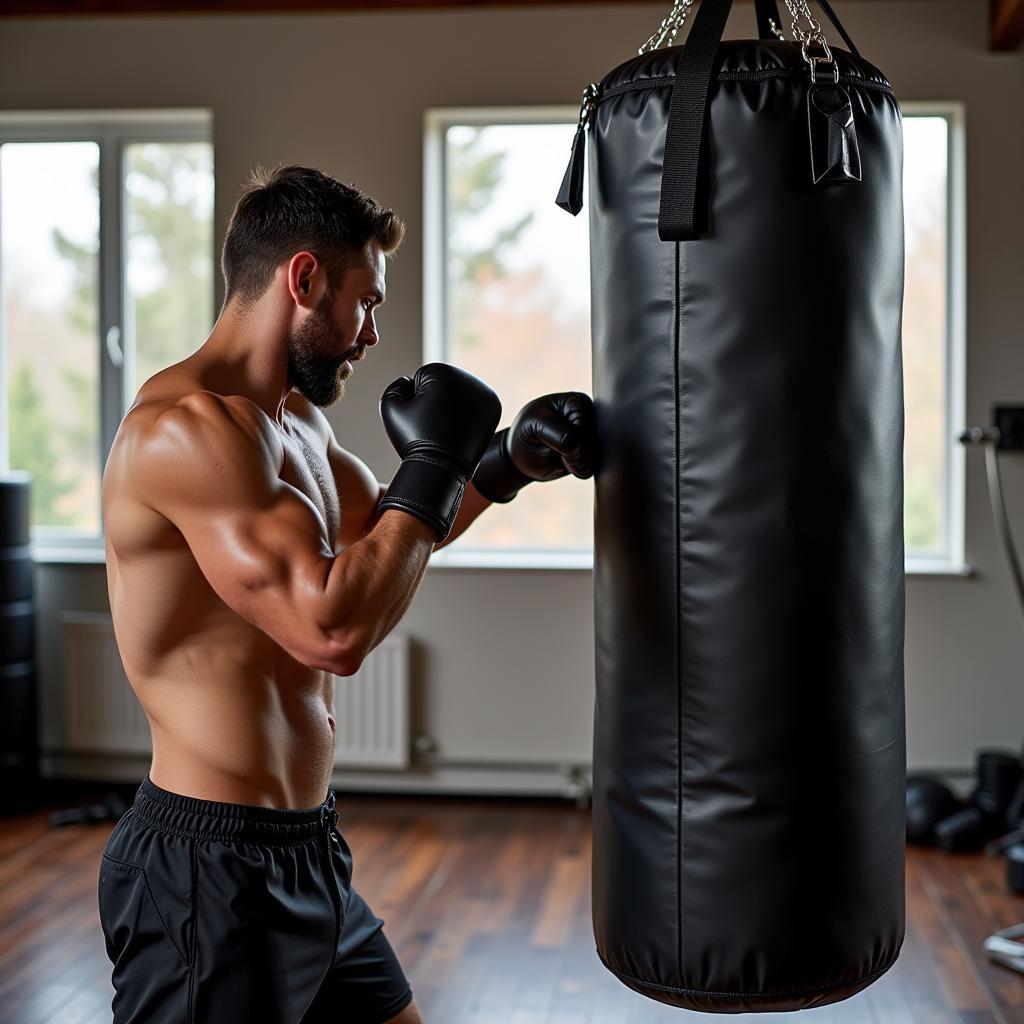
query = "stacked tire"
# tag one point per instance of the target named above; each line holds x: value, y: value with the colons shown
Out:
x: 19, y: 739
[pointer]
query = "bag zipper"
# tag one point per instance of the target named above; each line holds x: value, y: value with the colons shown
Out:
x: 661, y: 81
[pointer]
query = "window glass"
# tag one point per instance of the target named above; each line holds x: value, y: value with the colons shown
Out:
x: 925, y: 335
x: 518, y: 304
x: 169, y: 253
x: 49, y: 269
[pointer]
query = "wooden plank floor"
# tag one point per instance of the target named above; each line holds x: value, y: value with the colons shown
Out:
x: 487, y: 904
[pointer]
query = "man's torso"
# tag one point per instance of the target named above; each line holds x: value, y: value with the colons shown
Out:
x: 234, y: 718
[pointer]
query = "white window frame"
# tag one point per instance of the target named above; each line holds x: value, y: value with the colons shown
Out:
x: 113, y: 131
x: 436, y: 317
x: 951, y: 561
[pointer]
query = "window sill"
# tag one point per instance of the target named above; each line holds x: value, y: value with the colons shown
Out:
x: 941, y: 570
x: 576, y: 561
x: 477, y: 559
x: 47, y: 555
x: 584, y: 561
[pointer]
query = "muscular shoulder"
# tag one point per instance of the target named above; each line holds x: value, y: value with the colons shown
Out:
x: 196, y: 438
x: 197, y: 423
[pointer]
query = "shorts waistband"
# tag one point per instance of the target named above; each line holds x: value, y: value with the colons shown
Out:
x: 211, y: 819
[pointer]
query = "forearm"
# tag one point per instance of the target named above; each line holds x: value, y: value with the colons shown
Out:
x: 473, y: 503
x: 371, y: 584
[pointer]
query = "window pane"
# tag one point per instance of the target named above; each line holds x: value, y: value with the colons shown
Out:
x: 49, y: 245
x: 169, y: 253
x: 518, y: 304
x: 928, y: 436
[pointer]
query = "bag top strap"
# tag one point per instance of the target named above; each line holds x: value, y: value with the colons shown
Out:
x: 838, y: 25
x: 683, y: 137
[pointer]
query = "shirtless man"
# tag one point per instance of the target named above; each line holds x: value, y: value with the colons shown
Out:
x: 249, y: 559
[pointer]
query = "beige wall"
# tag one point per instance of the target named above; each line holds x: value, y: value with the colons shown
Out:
x: 505, y: 658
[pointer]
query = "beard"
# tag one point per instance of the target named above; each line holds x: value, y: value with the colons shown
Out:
x: 313, y: 363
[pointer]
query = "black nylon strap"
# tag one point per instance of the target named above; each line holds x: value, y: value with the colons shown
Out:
x: 684, y: 136
x: 838, y: 25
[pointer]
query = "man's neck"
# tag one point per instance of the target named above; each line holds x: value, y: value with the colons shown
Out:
x: 246, y: 354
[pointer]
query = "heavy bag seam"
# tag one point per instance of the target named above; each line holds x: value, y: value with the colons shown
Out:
x: 680, y: 836
x: 750, y: 995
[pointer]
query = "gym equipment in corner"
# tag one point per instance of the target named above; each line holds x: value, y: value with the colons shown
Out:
x: 1005, y: 436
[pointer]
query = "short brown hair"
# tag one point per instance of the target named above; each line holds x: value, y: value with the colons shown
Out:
x: 283, y: 211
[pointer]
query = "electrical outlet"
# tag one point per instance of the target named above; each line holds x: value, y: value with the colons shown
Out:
x: 1009, y: 419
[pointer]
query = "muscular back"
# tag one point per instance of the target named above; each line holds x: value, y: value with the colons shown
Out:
x: 192, y: 475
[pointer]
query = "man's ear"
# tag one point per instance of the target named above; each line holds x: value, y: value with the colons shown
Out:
x: 303, y: 274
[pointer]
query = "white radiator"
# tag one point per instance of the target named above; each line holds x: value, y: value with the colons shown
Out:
x: 102, y: 714
x: 372, y: 709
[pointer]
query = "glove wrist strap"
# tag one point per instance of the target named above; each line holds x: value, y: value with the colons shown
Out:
x: 497, y: 477
x: 428, y: 488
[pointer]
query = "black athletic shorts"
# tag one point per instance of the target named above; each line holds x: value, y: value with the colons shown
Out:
x: 215, y: 913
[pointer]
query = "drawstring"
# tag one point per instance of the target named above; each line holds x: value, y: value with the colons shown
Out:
x: 329, y: 818
x: 328, y: 814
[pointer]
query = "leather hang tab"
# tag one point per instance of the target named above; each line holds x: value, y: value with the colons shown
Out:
x: 570, y: 195
x: 835, y: 155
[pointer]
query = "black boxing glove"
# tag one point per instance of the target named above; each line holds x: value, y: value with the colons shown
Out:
x: 552, y: 436
x: 439, y: 422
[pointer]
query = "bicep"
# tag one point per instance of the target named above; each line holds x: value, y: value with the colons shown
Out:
x: 359, y: 492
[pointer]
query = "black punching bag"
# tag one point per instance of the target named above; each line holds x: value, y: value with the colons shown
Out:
x: 749, y: 750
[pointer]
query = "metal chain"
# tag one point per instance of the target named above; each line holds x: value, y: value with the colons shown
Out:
x: 669, y: 28
x: 799, y: 9
x: 809, y: 37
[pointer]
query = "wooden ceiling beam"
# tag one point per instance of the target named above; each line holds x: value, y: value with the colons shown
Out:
x: 1007, y: 24
x: 29, y: 8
